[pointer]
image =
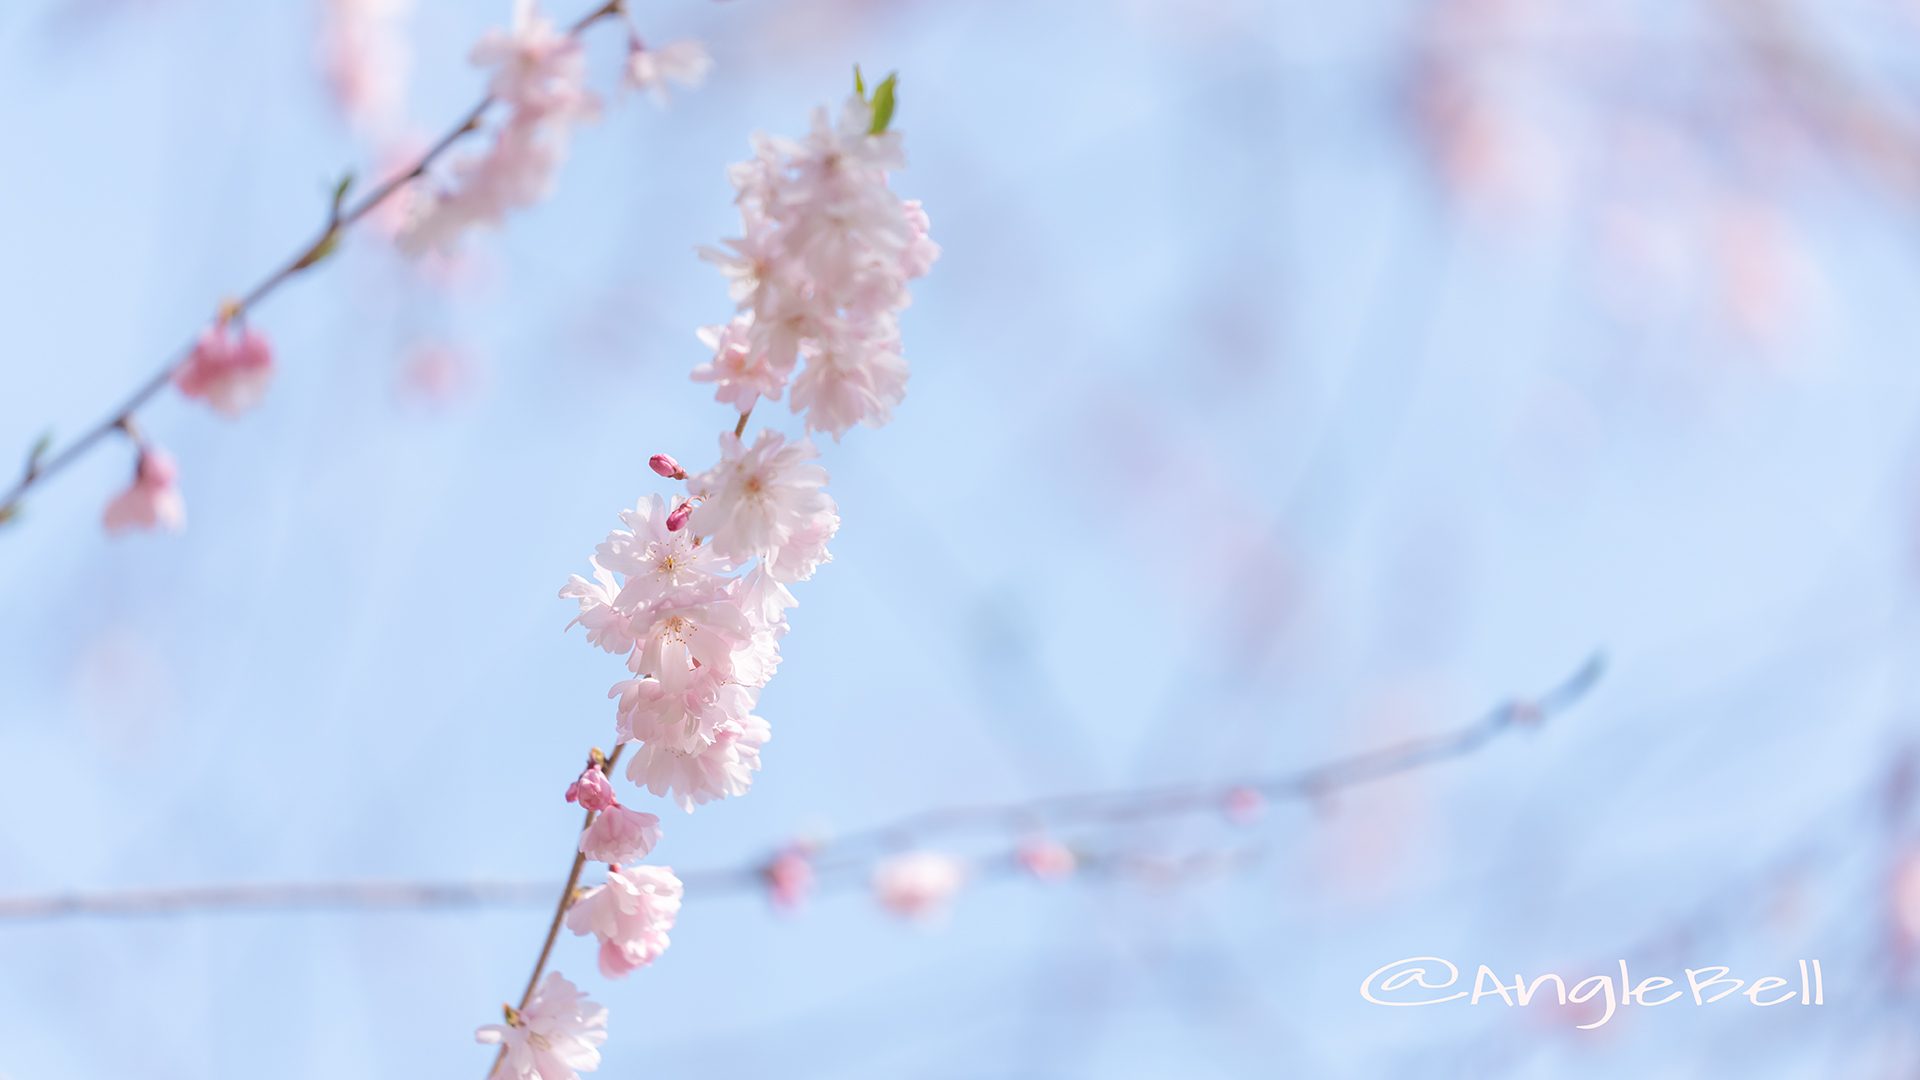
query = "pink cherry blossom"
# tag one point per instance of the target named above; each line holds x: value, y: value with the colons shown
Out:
x: 789, y: 878
x: 630, y: 914
x: 229, y: 368
x: 664, y: 465
x: 556, y: 1037
x: 741, y: 373
x: 684, y: 63
x: 1243, y: 805
x: 591, y: 790
x: 918, y: 885
x: 539, y: 74
x: 152, y: 501
x: 722, y: 768
x: 851, y: 377
x: 820, y: 271
x: 620, y: 835
x: 758, y: 496
x: 1048, y: 860
x: 537, y: 69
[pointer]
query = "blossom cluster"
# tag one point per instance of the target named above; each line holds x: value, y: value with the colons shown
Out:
x: 693, y: 590
x: 819, y: 273
x: 537, y: 76
x: 539, y: 73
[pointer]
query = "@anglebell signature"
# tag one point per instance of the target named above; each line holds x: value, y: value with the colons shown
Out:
x: 1431, y: 980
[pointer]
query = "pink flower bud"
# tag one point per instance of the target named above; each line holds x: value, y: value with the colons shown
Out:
x: 678, y: 519
x: 666, y: 466
x: 592, y: 790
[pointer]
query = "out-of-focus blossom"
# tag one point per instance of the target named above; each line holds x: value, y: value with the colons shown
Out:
x: 1243, y: 805
x: 539, y: 73
x: 556, y: 1037
x: 1048, y: 860
x: 363, y: 53
x: 918, y: 885
x: 153, y: 500
x: 684, y: 63
x: 229, y: 367
x: 789, y: 878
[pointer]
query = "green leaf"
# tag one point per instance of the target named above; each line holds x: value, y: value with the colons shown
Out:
x: 883, y: 105
x: 340, y: 193
x: 859, y: 84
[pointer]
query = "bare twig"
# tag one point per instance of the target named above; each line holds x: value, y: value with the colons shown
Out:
x: 340, y: 219
x: 845, y: 856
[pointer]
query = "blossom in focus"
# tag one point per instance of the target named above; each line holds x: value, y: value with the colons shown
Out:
x: 630, y: 914
x: 918, y: 885
x: 618, y: 835
x: 152, y: 501
x: 759, y: 496
x: 556, y: 1037
x: 819, y: 272
x: 721, y: 768
x: 591, y: 790
x: 229, y: 368
x: 684, y: 63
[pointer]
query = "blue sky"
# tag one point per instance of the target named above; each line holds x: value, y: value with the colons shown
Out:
x: 1232, y: 444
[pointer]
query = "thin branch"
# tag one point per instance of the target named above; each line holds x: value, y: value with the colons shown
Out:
x: 341, y: 219
x: 846, y: 855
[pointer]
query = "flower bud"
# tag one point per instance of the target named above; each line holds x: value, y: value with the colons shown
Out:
x: 666, y: 466
x: 678, y: 519
x: 591, y: 791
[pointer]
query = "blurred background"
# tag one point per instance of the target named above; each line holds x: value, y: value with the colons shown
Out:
x: 1298, y: 378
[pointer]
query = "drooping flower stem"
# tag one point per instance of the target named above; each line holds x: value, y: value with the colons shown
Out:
x: 566, y: 894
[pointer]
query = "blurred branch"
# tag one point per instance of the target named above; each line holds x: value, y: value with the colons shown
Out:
x: 1831, y: 100
x: 341, y: 217
x: 844, y: 860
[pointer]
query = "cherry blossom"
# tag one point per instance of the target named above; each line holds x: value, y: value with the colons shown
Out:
x: 789, y: 877
x: 819, y: 273
x: 723, y: 767
x: 741, y: 374
x: 918, y: 885
x: 684, y: 63
x: 759, y: 496
x: 630, y: 914
x: 153, y: 500
x: 556, y: 1036
x: 619, y: 835
x: 229, y: 368
x: 1047, y: 860
x: 539, y: 73
x: 591, y: 791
